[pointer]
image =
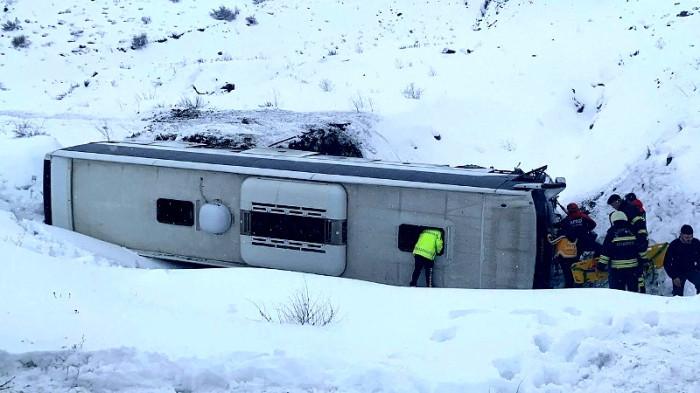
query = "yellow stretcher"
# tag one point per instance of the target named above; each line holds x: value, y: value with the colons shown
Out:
x: 585, y: 271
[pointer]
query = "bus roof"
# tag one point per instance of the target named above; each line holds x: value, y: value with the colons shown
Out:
x: 277, y: 159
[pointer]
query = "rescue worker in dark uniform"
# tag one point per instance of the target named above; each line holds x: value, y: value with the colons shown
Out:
x: 637, y: 221
x: 577, y: 227
x: 429, y: 244
x: 682, y: 261
x: 620, y: 255
x: 632, y: 198
x: 635, y: 218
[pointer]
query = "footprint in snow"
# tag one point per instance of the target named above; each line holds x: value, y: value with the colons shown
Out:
x: 507, y: 368
x: 543, y: 342
x: 573, y: 311
x: 542, y: 317
x: 460, y: 313
x: 443, y: 335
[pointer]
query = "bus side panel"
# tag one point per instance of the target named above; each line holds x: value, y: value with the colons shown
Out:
x: 509, y: 241
x: 373, y: 213
x: 61, y: 198
x: 464, y: 269
x: 425, y: 208
x: 118, y: 203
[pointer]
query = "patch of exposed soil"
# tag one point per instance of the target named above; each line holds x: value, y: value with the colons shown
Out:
x: 329, y: 133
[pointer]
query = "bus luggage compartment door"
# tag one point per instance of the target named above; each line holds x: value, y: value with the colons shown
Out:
x: 294, y: 225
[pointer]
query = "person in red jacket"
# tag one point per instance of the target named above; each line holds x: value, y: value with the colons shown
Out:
x: 577, y: 227
x: 632, y: 198
x: 644, y: 263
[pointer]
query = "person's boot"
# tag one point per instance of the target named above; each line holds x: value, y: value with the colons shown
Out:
x: 641, y: 285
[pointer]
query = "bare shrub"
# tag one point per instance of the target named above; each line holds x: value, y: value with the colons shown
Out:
x: 660, y: 43
x: 187, y: 103
x: 256, y: 2
x: 20, y: 41
x: 65, y: 94
x: 508, y: 144
x: 302, y: 309
x: 27, y: 129
x: 251, y: 21
x: 274, y: 102
x: 139, y: 41
x: 326, y: 85
x: 7, y: 384
x: 359, y: 103
x: 146, y: 20
x: 11, y: 26
x: 224, y: 13
x: 106, y: 131
x: 412, y: 92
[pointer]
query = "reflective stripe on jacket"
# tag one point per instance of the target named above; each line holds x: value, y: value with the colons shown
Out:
x: 638, y: 224
x: 429, y: 243
x: 619, y: 247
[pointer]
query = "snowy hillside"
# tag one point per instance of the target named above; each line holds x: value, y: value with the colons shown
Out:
x: 606, y: 93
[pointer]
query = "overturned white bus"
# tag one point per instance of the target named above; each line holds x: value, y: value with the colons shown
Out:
x: 307, y: 212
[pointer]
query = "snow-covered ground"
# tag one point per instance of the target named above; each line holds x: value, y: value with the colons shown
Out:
x: 605, y: 93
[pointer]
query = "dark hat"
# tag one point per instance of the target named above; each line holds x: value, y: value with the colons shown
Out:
x: 630, y: 197
x: 686, y: 230
x: 614, y: 198
x: 572, y: 207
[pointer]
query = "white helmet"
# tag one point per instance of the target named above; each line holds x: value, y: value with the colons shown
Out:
x: 617, y: 216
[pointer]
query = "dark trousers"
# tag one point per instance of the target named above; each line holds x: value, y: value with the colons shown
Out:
x: 588, y: 244
x: 565, y: 264
x: 691, y: 275
x: 422, y: 263
x: 624, y: 279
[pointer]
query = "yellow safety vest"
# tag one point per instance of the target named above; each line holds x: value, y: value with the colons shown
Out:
x: 564, y: 247
x: 429, y: 243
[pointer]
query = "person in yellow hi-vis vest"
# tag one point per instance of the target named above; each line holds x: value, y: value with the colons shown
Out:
x: 565, y: 255
x: 428, y: 245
